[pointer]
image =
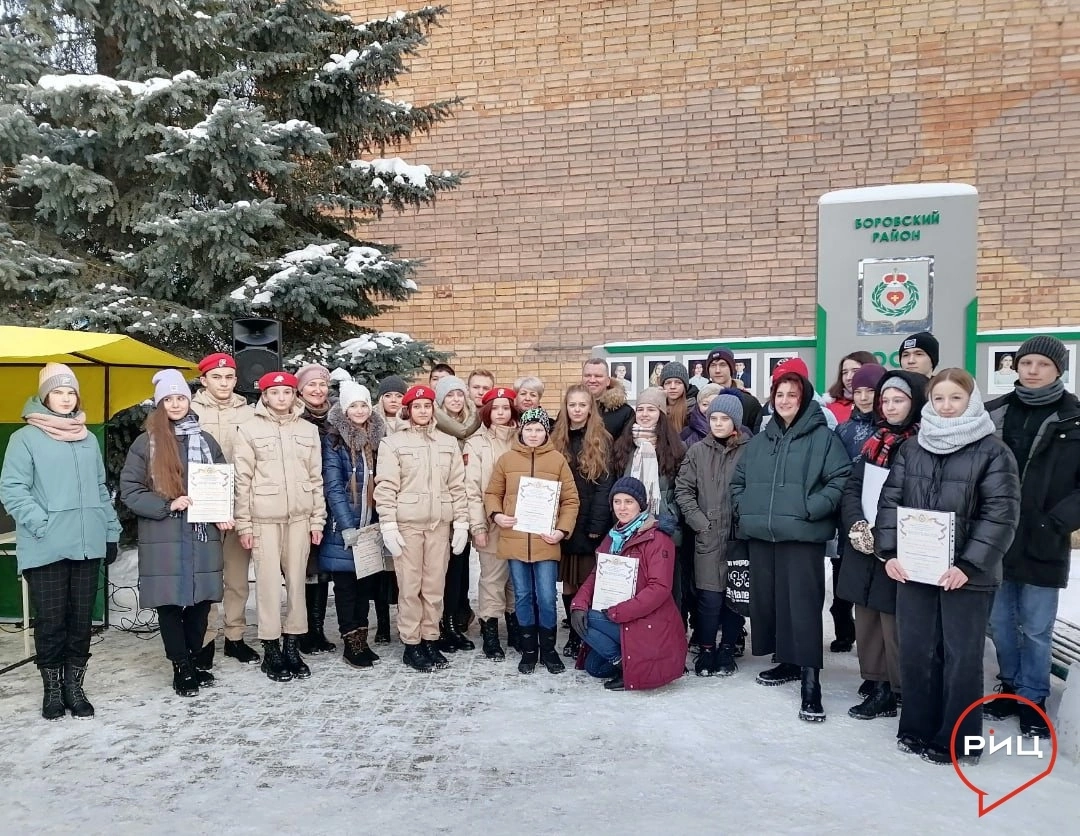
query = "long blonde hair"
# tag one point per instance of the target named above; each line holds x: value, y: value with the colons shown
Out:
x: 595, y: 459
x: 166, y: 470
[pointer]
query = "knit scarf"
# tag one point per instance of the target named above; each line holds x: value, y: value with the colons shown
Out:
x: 947, y: 435
x: 645, y: 465
x: 59, y: 427
x: 882, y: 445
x: 1043, y: 396
x: 621, y: 533
x: 198, y: 452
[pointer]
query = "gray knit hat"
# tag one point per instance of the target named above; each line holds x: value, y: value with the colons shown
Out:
x: 730, y: 406
x: 654, y: 396
x: 446, y: 385
x: 674, y: 369
x: 1049, y: 347
x: 56, y: 376
x: 393, y: 383
x: 709, y: 390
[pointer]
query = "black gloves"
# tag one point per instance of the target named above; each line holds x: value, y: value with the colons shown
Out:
x: 579, y: 622
x: 110, y: 553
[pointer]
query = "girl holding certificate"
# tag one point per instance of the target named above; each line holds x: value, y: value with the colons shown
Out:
x: 534, y: 558
x: 353, y: 433
x: 180, y: 563
x: 955, y: 465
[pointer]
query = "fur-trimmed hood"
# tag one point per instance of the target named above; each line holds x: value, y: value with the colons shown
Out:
x: 612, y: 398
x: 354, y: 437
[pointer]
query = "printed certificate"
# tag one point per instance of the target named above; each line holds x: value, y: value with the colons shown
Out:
x: 210, y: 487
x: 616, y: 580
x: 924, y: 543
x: 537, y: 505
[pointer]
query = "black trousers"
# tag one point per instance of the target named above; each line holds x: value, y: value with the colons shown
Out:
x: 353, y: 597
x: 385, y: 594
x: 62, y: 594
x: 787, y: 594
x: 456, y: 590
x: 713, y: 613
x: 182, y: 629
x: 843, y: 612
x: 683, y: 589
x: 942, y: 638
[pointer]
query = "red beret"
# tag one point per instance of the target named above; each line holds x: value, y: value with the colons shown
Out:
x: 794, y: 365
x: 417, y: 393
x: 216, y: 361
x: 498, y: 392
x: 277, y: 379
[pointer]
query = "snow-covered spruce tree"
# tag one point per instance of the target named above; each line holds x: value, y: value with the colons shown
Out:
x: 169, y: 165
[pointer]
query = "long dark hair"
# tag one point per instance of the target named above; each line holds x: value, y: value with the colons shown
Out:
x: 836, y: 391
x: 669, y: 448
x: 166, y: 471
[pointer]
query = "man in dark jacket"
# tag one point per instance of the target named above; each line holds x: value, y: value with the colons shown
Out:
x: 720, y: 368
x: 610, y: 396
x: 1040, y: 423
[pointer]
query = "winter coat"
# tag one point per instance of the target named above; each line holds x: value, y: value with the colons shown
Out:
x: 500, y: 497
x: 614, y: 410
x: 344, y: 509
x: 652, y: 631
x: 696, y: 429
x: 979, y: 483
x: 787, y: 485
x: 752, y: 413
x: 841, y: 408
x: 461, y: 430
x: 862, y: 579
x: 855, y: 431
x: 420, y: 480
x: 668, y: 514
x: 55, y: 491
x: 703, y: 493
x: 830, y: 416
x: 222, y: 421
x: 1049, y: 495
x: 317, y: 421
x: 175, y: 567
x: 278, y: 463
x: 594, y: 513
x: 481, y: 452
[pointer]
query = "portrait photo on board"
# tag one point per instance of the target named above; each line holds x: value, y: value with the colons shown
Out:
x: 622, y: 370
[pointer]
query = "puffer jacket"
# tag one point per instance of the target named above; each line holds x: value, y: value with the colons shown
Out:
x: 696, y: 429
x: 614, y: 410
x: 500, y: 497
x: 703, y: 493
x: 979, y: 483
x: 222, y: 420
x: 1049, y: 495
x: 278, y: 461
x: 344, y: 508
x: 594, y: 510
x: 420, y: 480
x: 481, y: 452
x: 55, y: 491
x: 787, y: 485
x: 855, y: 431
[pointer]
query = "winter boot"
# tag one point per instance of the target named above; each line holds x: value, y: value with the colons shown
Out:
x: 616, y: 682
x: 725, y: 661
x: 431, y: 648
x: 1032, y: 723
x: 464, y: 620
x: 706, y: 660
x: 910, y: 745
x: 530, y: 650
x: 354, y: 650
x: 1001, y: 709
x: 782, y: 673
x: 205, y: 678
x: 811, y: 709
x: 740, y: 644
x: 446, y: 642
x: 573, y: 645
x: 457, y: 635
x: 489, y: 631
x: 549, y: 656
x: 185, y: 682
x: 204, y: 659
x: 315, y: 641
x: 52, y: 703
x: 241, y: 652
x: 382, y: 611
x: 371, y: 654
x: 290, y: 649
x: 415, y: 658
x: 513, y: 632
x: 273, y: 663
x: 880, y: 703
x: 866, y: 689
x: 74, y: 697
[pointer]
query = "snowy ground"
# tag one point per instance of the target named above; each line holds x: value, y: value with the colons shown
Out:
x: 478, y: 746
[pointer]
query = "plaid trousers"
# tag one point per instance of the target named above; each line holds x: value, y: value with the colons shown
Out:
x: 62, y: 594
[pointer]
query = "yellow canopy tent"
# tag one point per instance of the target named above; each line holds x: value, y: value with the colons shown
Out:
x: 114, y: 371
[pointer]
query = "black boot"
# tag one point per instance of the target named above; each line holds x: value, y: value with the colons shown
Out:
x: 315, y: 641
x: 573, y: 645
x: 706, y: 660
x: 1001, y: 709
x: 311, y: 603
x: 184, y: 681
x: 445, y: 641
x: 241, y: 652
x: 489, y: 631
x: 456, y: 635
x: 513, y: 632
x: 290, y: 649
x: 382, y: 621
x: 371, y: 654
x: 530, y: 650
x: 52, y: 702
x: 417, y: 659
x: 205, y: 678
x: 354, y: 651
x: 431, y: 648
x: 1032, y: 723
x: 616, y: 682
x: 782, y: 673
x: 880, y: 703
x: 273, y: 663
x: 549, y: 656
x: 740, y: 644
x: 204, y: 659
x: 811, y: 709
x: 725, y: 661
x: 866, y: 689
x: 74, y: 697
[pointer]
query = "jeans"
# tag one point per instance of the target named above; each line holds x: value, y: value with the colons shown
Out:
x: 1022, y: 624
x: 714, y: 613
x: 602, y: 635
x: 534, y: 584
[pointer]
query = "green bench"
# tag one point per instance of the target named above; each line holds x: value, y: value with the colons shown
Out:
x: 1064, y: 648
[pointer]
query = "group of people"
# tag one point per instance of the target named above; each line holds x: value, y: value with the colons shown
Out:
x: 730, y: 507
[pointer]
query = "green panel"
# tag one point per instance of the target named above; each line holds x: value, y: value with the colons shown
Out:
x: 1020, y: 336
x: 819, y: 348
x: 971, y: 325
x: 746, y: 343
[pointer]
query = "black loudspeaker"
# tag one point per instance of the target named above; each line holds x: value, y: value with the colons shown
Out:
x: 256, y: 349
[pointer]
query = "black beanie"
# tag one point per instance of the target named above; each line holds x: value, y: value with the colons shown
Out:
x: 631, y: 487
x: 927, y: 342
x: 1049, y: 347
x: 393, y: 383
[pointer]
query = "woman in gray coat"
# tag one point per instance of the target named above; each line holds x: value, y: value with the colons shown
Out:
x: 180, y: 562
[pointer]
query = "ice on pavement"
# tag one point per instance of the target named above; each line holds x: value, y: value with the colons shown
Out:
x: 475, y: 747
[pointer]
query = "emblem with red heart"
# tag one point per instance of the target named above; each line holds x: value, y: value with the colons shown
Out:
x: 896, y: 295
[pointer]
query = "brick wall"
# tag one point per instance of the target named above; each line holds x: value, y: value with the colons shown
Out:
x: 650, y: 169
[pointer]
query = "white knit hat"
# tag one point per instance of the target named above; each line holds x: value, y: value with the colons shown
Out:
x: 352, y: 392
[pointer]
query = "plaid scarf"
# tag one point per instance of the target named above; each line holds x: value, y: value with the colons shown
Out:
x: 880, y: 448
x: 198, y: 452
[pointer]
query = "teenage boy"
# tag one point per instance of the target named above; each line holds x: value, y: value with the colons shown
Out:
x: 920, y: 353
